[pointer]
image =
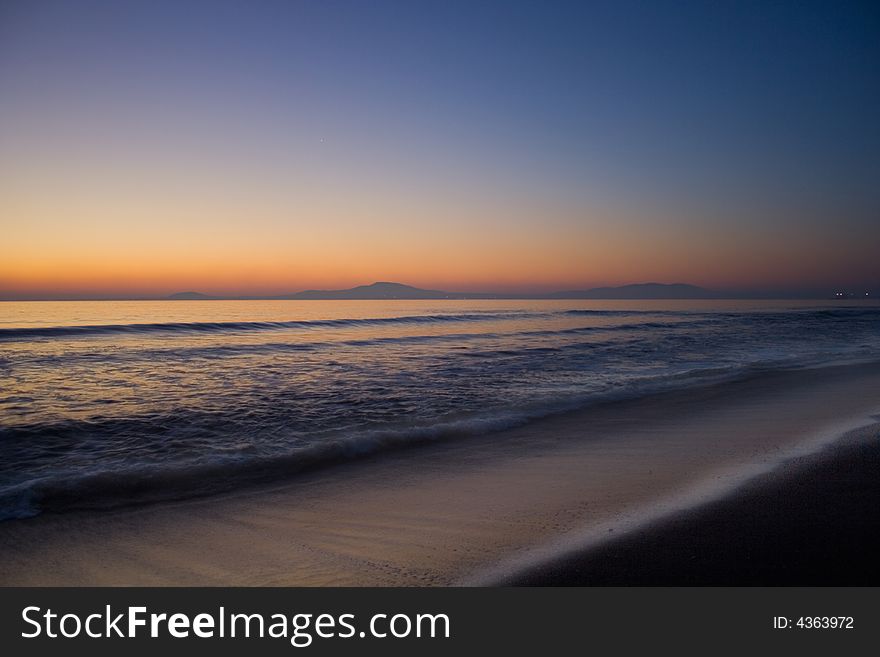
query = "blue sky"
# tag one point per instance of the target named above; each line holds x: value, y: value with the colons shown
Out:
x: 738, y: 123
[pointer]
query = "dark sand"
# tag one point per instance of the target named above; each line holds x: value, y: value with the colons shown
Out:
x: 481, y: 510
x: 814, y: 521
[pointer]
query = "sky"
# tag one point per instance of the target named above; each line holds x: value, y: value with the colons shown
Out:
x: 264, y: 147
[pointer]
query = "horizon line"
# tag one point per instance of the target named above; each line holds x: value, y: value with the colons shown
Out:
x: 831, y: 293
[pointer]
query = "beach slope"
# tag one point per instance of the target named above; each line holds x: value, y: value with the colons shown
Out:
x: 508, y: 507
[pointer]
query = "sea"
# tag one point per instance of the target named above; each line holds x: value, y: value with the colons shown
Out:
x: 111, y: 403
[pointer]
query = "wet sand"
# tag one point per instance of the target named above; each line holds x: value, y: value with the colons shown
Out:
x: 472, y: 511
x: 814, y: 521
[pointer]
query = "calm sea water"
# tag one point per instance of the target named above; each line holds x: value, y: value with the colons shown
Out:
x: 105, y: 403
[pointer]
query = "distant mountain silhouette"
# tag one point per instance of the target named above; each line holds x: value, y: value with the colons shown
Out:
x: 388, y: 290
x: 190, y: 296
x: 379, y: 290
x: 640, y: 291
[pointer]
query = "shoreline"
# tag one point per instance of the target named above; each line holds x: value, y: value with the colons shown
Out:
x: 102, y: 493
x: 466, y: 511
x: 810, y: 522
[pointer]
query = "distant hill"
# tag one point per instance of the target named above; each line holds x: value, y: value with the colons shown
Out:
x: 190, y: 296
x: 379, y: 290
x: 388, y: 290
x: 640, y: 291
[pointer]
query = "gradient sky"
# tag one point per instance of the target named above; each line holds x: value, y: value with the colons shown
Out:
x: 266, y: 147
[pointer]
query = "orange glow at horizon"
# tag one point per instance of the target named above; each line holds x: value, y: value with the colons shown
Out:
x: 260, y: 151
x: 105, y: 233
x: 244, y: 263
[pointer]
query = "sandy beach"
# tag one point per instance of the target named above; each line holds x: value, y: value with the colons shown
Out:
x: 810, y: 522
x: 481, y: 510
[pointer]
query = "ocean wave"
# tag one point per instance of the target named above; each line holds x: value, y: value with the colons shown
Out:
x: 37, y: 332
x: 601, y: 312
x: 230, y: 469
x: 107, y: 422
x: 230, y: 466
x: 86, y: 330
x: 220, y: 350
